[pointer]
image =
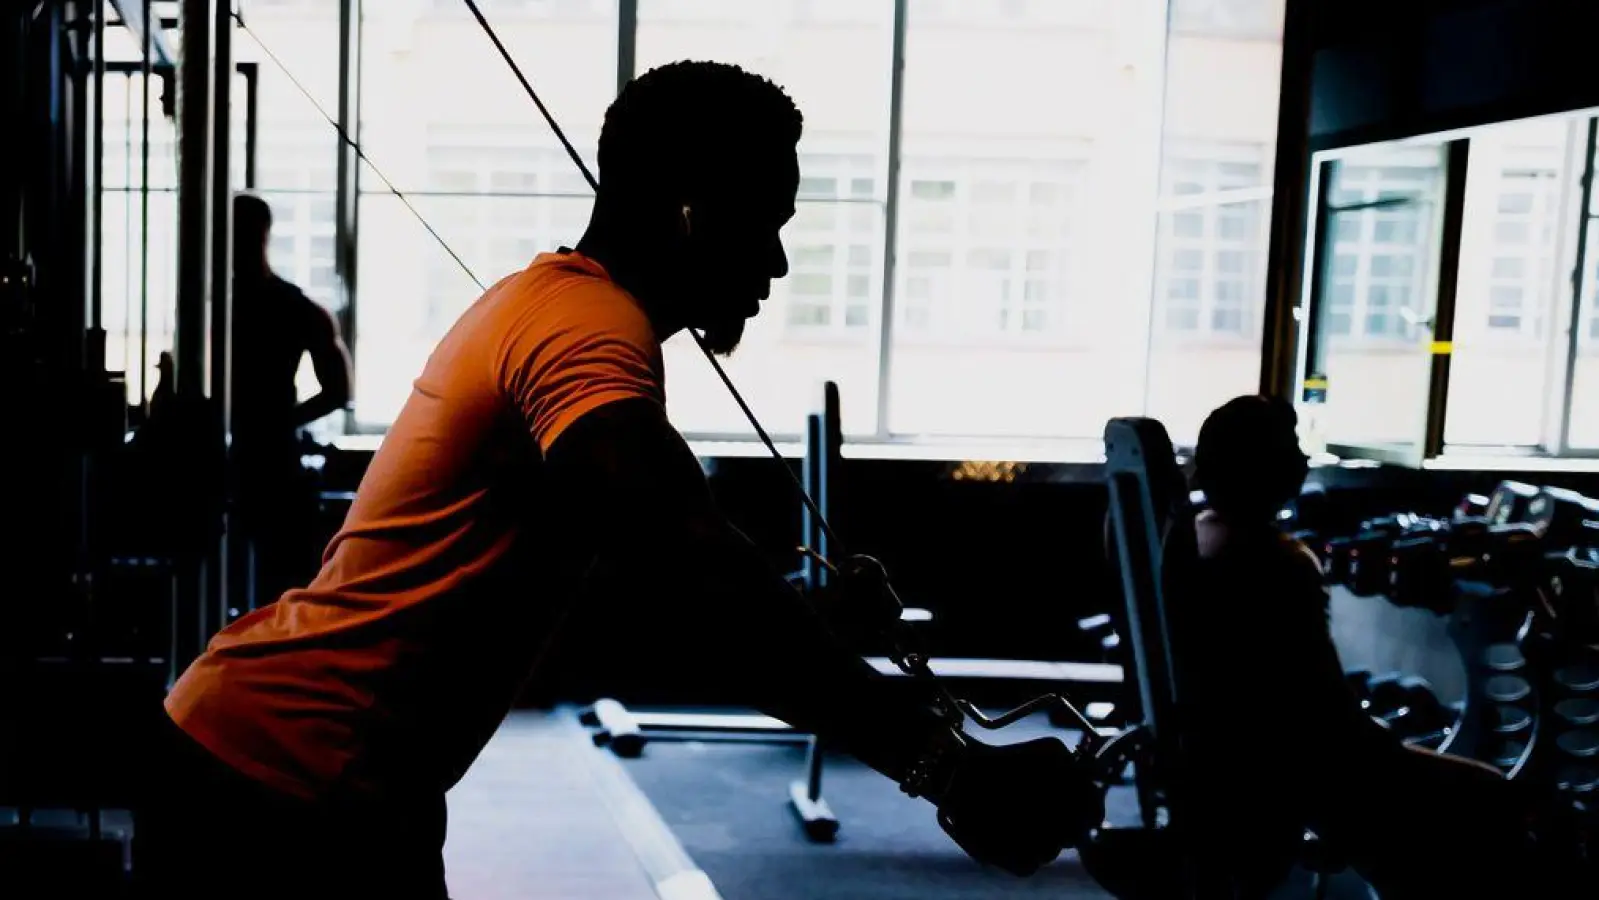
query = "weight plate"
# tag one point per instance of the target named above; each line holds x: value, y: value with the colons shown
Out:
x: 1507, y: 689
x: 1511, y: 719
x: 1582, y: 677
x: 1578, y: 779
x: 1581, y: 711
x: 1503, y: 657
x: 1508, y: 754
x: 1583, y: 744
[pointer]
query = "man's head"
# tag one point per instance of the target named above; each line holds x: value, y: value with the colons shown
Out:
x: 252, y: 226
x: 1248, y: 461
x: 698, y: 172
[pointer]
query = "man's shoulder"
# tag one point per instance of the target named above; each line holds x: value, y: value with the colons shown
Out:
x: 560, y: 296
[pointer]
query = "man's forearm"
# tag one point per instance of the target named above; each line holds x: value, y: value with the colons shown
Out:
x: 316, y: 407
x: 790, y: 665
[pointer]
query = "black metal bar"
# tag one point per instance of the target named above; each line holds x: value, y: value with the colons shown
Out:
x: 349, y: 178
x: 75, y: 217
x: 1578, y: 283
x: 219, y: 576
x: 97, y: 196
x: 896, y: 127
x: 1443, y: 330
x: 626, y: 42
x: 146, y: 72
x: 195, y: 108
x: 1291, y: 174
x: 252, y: 84
x: 1315, y: 312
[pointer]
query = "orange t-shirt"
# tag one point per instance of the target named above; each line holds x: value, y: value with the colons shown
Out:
x: 391, y: 670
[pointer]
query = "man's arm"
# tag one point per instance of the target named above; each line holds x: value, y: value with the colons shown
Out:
x: 640, y: 493
x: 330, y: 360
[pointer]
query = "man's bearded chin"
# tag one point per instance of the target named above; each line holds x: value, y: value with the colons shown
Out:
x: 723, y: 337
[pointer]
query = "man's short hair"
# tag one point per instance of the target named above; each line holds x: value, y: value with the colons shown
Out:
x: 678, y: 130
x: 251, y: 216
x: 1248, y: 453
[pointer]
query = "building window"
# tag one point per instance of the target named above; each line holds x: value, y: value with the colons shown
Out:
x: 1211, y: 265
x: 986, y: 248
x: 833, y: 246
x: 1377, y: 276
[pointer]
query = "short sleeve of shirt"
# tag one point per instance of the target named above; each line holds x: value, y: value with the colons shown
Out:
x: 576, y: 344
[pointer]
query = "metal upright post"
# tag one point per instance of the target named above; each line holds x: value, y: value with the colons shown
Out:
x: 349, y: 180
x: 216, y: 610
x: 198, y: 19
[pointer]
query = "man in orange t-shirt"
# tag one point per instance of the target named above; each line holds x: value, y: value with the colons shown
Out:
x: 317, y: 736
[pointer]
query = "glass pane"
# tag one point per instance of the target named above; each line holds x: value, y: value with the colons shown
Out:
x: 296, y: 147
x: 1223, y: 64
x: 426, y: 133
x: 1375, y: 338
x: 479, y: 164
x: 1207, y: 343
x: 833, y: 58
x: 1505, y: 293
x: 996, y: 170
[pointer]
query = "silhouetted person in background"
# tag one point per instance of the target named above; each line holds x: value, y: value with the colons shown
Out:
x: 1280, y: 742
x: 275, y: 325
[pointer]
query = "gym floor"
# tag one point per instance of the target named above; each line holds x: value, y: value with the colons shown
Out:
x: 545, y: 814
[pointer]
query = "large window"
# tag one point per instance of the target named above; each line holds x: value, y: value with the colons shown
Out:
x: 1018, y: 313
x: 1519, y: 354
x: 1509, y: 284
x: 1079, y: 214
x: 1214, y: 210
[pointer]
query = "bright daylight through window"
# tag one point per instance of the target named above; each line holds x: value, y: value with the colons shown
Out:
x: 1079, y: 224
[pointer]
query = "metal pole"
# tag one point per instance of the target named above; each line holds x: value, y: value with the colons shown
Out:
x: 145, y: 72
x: 198, y: 18
x: 626, y: 42
x: 1578, y: 282
x: 896, y: 116
x: 349, y: 175
x: 97, y: 198
x: 215, y: 611
x: 1291, y: 176
x: 194, y: 194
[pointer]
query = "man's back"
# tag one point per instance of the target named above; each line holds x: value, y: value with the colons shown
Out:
x: 1264, y: 689
x: 448, y: 574
x: 274, y: 326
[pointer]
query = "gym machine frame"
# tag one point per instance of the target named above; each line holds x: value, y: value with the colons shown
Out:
x: 626, y: 731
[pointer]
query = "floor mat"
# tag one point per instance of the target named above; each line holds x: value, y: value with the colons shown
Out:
x: 727, y: 804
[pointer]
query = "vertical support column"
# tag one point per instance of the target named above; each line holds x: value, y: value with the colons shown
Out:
x: 896, y: 116
x: 97, y: 196
x: 194, y: 195
x: 198, y: 19
x: 1578, y: 282
x: 626, y: 42
x: 1291, y: 172
x: 349, y: 178
x: 1443, y: 327
x: 146, y: 72
x: 219, y: 578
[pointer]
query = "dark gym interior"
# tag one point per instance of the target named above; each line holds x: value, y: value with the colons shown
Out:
x: 1035, y: 245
